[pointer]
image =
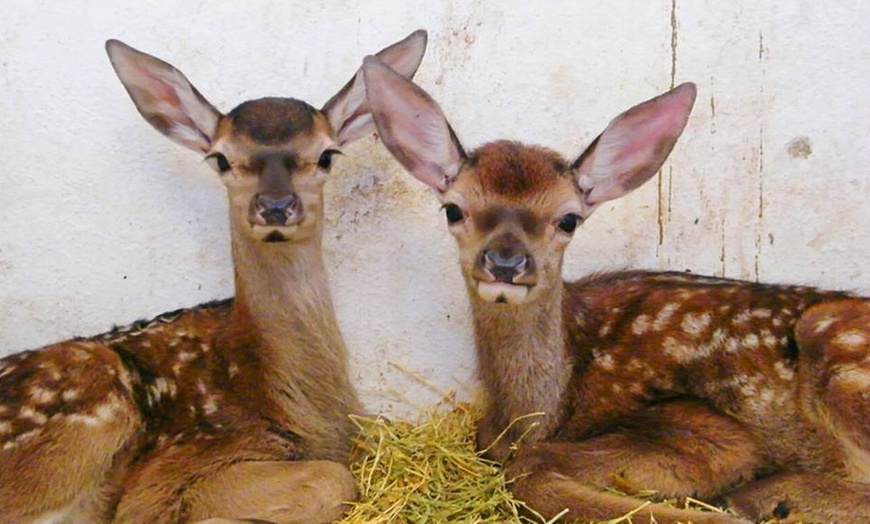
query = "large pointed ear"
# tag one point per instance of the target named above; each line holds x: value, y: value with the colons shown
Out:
x: 634, y: 146
x: 412, y: 126
x: 348, y: 111
x: 165, y: 97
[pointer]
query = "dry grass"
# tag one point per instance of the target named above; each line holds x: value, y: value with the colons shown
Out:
x: 430, y: 472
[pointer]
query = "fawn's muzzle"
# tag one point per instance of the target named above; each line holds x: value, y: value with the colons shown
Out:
x: 504, y: 266
x: 284, y: 211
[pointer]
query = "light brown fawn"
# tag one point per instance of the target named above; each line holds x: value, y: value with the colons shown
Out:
x: 229, y: 410
x: 689, y: 385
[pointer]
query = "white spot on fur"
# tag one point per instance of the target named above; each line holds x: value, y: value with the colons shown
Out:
x: 751, y: 341
x: 823, y: 324
x: 606, y: 329
x: 5, y: 428
x: 105, y: 411
x: 41, y: 395
x: 852, y: 339
x: 186, y: 356
x: 605, y: 361
x: 742, y: 317
x: 69, y: 395
x: 81, y: 418
x: 10, y: 445
x: 784, y: 372
x: 6, y: 369
x: 854, y: 378
x: 768, y: 339
x: 695, y: 324
x: 24, y: 437
x: 210, y: 405
x: 162, y: 387
x: 80, y: 355
x: 761, y: 313
x: 677, y: 350
x: 125, y: 378
x: 732, y: 345
x: 233, y: 369
x: 101, y: 414
x: 32, y: 415
x: 640, y: 325
x: 664, y: 315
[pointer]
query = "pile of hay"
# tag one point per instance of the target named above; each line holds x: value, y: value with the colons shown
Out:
x: 430, y: 472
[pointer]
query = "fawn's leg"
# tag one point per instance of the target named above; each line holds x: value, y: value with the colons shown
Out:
x: 280, y: 492
x: 803, y: 497
x: 234, y: 479
x: 680, y: 448
x: 66, y: 418
x: 834, y: 345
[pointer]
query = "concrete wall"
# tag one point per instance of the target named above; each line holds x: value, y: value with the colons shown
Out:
x: 103, y: 221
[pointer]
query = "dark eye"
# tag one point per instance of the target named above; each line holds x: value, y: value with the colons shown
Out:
x: 220, y: 161
x: 570, y: 222
x: 325, y: 160
x: 453, y: 213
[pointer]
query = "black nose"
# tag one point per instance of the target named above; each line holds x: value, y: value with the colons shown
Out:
x: 278, y: 211
x: 505, y: 265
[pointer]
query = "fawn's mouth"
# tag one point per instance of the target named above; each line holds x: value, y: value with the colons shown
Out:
x: 275, y: 234
x: 502, y: 292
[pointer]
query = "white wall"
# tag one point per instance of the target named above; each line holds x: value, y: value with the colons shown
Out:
x: 103, y: 221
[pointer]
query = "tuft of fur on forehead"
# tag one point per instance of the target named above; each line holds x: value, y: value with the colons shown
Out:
x: 273, y: 120
x: 515, y: 170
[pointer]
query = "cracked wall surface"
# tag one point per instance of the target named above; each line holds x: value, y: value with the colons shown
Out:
x: 103, y: 221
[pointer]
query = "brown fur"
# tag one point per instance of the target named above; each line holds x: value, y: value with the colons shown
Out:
x: 689, y: 385
x: 232, y: 411
x: 179, y: 400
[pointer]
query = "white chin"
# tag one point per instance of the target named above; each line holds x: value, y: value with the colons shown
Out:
x: 499, y: 292
x: 275, y: 233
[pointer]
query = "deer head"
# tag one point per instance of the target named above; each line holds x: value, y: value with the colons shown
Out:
x: 513, y: 208
x: 272, y: 154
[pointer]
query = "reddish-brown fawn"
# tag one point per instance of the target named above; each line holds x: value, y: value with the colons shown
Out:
x: 688, y: 385
x: 229, y: 410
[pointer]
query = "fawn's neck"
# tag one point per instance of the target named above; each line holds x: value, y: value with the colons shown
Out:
x: 523, y: 360
x: 282, y: 293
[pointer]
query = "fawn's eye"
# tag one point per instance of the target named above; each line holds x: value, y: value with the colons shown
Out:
x: 219, y: 161
x: 570, y: 222
x: 325, y: 160
x: 453, y: 213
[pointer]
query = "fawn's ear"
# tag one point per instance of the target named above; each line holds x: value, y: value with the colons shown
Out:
x: 412, y: 126
x: 348, y: 110
x: 634, y: 146
x: 163, y: 95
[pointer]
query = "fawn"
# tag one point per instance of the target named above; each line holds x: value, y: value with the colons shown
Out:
x: 229, y: 410
x: 689, y: 385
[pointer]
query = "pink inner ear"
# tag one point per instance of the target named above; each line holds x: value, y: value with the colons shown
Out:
x: 635, y: 145
x: 412, y: 126
x: 165, y: 97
